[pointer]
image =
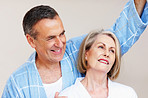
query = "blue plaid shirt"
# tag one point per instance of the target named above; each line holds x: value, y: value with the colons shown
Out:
x: 26, y: 82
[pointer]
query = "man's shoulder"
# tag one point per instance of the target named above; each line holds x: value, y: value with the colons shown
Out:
x: 23, y: 71
x: 23, y: 77
x: 28, y: 66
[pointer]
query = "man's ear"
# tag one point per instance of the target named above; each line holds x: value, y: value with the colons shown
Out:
x: 30, y: 40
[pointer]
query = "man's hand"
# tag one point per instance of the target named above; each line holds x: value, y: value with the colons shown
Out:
x: 57, y: 95
x: 139, y: 4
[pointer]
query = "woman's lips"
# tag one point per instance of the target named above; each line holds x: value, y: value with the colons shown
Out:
x: 104, y: 61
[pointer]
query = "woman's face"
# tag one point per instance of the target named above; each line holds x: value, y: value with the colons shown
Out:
x: 101, y: 55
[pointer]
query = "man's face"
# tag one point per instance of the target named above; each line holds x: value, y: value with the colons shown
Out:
x: 51, y: 41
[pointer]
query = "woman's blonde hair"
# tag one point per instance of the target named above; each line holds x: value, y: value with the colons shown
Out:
x: 86, y: 45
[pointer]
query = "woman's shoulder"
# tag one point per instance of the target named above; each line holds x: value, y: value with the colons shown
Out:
x: 122, y: 89
x: 69, y: 90
x: 117, y: 85
x: 73, y: 90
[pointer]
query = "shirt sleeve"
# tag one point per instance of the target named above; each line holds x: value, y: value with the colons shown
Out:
x: 73, y: 45
x: 129, y: 26
x: 11, y: 90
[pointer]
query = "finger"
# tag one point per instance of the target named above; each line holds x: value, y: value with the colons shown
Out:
x: 56, y: 95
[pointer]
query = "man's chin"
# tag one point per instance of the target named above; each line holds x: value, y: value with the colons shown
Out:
x: 60, y: 58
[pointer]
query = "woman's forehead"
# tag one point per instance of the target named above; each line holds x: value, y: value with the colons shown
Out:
x: 104, y: 39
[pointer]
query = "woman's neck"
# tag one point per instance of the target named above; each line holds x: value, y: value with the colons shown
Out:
x: 95, y: 82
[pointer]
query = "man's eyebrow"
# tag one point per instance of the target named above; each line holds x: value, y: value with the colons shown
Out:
x: 54, y: 35
x: 50, y: 36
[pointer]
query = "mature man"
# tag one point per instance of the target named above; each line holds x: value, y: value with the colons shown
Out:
x: 52, y: 67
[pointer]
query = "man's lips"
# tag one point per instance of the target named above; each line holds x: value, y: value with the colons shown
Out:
x: 57, y: 51
x: 104, y: 61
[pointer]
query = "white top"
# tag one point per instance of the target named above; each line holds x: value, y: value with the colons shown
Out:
x: 116, y: 90
x: 52, y: 88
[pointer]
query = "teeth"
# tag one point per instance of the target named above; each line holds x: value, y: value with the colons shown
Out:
x: 103, y: 61
x: 57, y: 50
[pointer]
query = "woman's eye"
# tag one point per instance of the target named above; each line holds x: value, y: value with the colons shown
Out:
x: 112, y: 51
x: 101, y: 47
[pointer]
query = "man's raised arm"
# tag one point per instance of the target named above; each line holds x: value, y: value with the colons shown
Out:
x: 129, y: 26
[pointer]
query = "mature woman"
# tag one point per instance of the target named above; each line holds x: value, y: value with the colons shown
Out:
x: 99, y: 59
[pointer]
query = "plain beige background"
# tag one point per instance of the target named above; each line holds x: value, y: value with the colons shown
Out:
x: 79, y: 17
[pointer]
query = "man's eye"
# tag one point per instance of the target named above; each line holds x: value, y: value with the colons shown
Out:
x: 50, y: 38
x: 62, y: 33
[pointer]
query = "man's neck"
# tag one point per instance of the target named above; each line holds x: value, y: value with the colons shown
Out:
x: 49, y: 72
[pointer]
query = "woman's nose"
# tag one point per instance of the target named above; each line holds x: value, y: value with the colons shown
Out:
x: 106, y: 53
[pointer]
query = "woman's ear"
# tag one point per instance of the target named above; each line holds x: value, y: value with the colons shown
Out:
x: 30, y: 40
x: 86, y: 55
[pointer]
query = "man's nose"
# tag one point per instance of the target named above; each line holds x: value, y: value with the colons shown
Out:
x: 58, y: 42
